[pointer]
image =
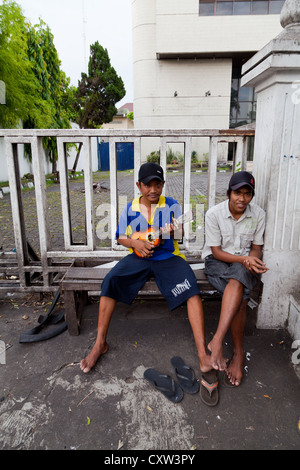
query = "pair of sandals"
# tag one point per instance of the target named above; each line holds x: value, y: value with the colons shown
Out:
x: 187, y: 382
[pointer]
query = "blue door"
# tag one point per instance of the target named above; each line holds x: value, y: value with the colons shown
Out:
x: 125, y: 156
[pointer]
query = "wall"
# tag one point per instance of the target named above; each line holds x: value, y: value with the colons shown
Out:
x: 180, y: 29
x: 119, y: 122
x: 184, y: 42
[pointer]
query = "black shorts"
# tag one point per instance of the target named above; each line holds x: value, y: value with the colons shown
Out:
x: 173, y: 276
x: 218, y: 273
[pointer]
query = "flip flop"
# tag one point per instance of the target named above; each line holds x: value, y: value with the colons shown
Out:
x: 165, y: 384
x: 185, y: 375
x: 209, y: 388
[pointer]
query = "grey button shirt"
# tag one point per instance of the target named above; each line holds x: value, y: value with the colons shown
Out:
x: 233, y: 236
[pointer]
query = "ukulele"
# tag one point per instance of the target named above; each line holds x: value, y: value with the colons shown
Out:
x: 152, y: 235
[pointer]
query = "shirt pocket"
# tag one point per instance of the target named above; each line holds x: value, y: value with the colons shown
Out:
x: 246, y: 240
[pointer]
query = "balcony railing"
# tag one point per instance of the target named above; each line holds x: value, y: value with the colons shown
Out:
x: 29, y: 270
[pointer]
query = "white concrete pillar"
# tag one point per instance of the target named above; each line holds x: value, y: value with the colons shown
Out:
x: 275, y: 73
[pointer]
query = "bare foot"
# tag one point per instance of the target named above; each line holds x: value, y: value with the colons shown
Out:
x: 235, y: 369
x: 217, y: 359
x: 89, y: 362
x: 206, y: 363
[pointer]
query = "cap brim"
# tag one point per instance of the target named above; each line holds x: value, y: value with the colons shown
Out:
x: 149, y: 178
x: 240, y: 185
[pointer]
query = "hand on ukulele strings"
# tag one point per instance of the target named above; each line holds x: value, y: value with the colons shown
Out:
x: 168, y: 229
x: 173, y: 229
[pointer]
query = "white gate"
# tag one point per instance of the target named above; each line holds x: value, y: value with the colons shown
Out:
x: 25, y: 271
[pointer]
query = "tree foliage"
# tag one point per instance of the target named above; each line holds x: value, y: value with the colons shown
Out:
x: 23, y: 90
x: 38, y: 93
x: 37, y: 90
x: 54, y: 84
x: 99, y: 90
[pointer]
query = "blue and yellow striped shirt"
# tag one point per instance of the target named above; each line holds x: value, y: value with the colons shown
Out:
x: 132, y: 221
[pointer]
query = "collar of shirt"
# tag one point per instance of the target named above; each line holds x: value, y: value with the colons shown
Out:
x: 136, y: 206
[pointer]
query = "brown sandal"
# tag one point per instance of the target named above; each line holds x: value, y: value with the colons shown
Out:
x: 209, y: 392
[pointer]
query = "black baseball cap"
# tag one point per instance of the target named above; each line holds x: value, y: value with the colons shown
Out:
x: 241, y: 178
x: 150, y: 171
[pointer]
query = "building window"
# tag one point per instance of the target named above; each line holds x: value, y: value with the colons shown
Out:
x: 224, y: 8
x: 242, y: 105
x: 242, y: 110
x: 240, y: 7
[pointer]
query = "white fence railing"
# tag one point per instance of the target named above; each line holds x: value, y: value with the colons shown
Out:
x: 26, y: 272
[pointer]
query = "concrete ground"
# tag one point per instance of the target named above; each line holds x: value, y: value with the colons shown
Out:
x: 46, y: 402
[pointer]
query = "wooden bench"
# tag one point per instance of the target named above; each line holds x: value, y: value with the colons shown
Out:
x: 86, y: 275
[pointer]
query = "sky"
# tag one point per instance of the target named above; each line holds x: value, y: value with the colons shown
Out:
x: 76, y: 24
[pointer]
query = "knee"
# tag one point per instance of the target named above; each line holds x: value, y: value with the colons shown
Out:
x: 235, y: 284
x: 194, y: 300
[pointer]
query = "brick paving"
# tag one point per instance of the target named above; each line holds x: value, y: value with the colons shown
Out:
x: 174, y: 188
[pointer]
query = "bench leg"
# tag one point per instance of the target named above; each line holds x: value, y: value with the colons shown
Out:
x: 71, y: 312
x: 82, y: 300
x: 74, y: 304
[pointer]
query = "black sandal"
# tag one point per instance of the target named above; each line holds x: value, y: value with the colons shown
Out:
x: 185, y: 375
x: 165, y: 384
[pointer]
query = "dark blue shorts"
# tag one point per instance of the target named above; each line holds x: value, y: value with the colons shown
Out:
x: 173, y: 276
x: 218, y: 273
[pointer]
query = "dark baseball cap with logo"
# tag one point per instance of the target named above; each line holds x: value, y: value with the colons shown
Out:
x: 150, y: 171
x: 240, y: 179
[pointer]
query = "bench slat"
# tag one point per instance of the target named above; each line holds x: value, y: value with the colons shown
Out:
x: 99, y: 274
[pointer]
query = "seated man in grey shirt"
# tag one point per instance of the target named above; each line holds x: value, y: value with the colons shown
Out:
x: 234, y: 232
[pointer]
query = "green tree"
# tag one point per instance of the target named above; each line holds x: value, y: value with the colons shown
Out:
x: 54, y: 83
x: 38, y: 93
x: 99, y: 90
x: 130, y: 116
x: 46, y: 66
x: 24, y: 99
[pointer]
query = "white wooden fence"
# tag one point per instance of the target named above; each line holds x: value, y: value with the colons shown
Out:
x: 43, y: 273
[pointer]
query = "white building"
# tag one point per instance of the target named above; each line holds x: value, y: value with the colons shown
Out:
x: 187, y: 59
x: 120, y: 120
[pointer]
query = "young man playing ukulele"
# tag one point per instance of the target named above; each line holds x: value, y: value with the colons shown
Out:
x: 173, y: 275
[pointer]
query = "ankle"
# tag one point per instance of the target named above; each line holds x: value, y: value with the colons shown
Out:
x: 238, y: 351
x: 217, y: 341
x: 100, y: 345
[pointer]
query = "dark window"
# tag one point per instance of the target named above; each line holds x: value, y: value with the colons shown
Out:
x: 240, y: 7
x: 224, y: 8
x: 242, y: 110
x: 276, y: 6
x: 207, y: 9
x: 260, y: 7
x: 243, y: 102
